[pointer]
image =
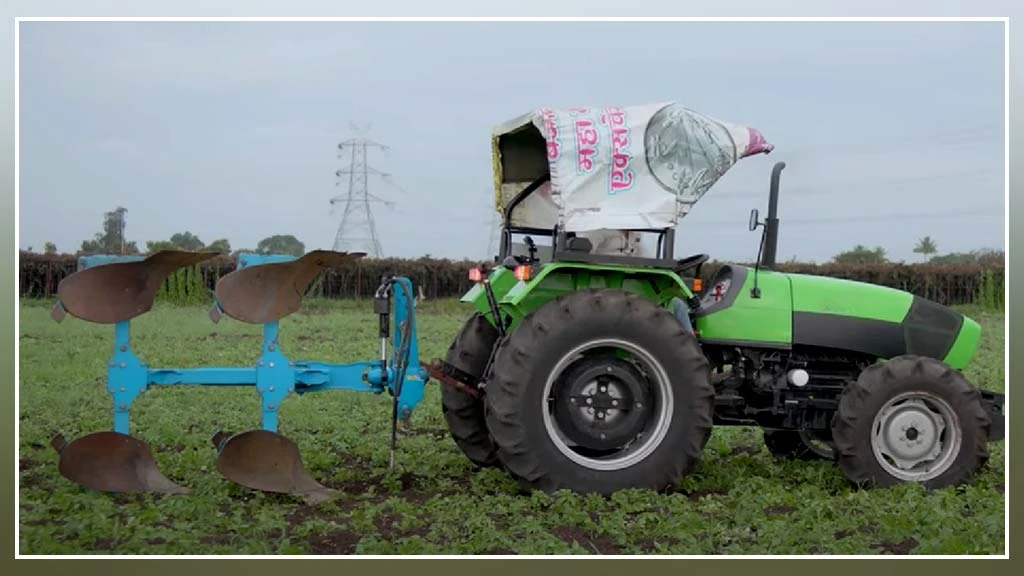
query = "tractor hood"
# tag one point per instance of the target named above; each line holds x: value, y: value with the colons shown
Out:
x: 617, y: 167
x: 827, y: 295
x: 879, y: 320
x: 822, y: 312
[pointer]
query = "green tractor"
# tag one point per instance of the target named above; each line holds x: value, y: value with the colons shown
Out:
x: 596, y: 361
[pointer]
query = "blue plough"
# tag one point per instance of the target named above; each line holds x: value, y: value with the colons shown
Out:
x: 261, y: 290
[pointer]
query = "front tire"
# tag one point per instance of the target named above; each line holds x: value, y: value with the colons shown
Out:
x: 597, y: 391
x: 911, y: 419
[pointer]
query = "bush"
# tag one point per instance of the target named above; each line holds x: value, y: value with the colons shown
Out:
x: 949, y: 284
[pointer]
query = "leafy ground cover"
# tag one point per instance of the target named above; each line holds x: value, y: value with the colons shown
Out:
x: 740, y: 500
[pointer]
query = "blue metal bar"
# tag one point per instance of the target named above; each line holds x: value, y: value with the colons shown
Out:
x: 252, y: 259
x: 126, y: 376
x: 309, y: 377
x: 275, y: 376
x: 411, y: 377
x: 202, y: 376
x: 320, y: 376
x: 101, y: 259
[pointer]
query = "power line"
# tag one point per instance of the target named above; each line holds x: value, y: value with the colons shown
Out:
x: 803, y: 191
x: 783, y: 221
x: 940, y: 139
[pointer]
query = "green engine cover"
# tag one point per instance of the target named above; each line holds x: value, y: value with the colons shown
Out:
x: 801, y: 310
x: 730, y: 314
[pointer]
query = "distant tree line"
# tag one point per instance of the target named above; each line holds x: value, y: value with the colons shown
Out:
x: 955, y: 278
x: 111, y: 240
x: 951, y: 284
x: 926, y: 246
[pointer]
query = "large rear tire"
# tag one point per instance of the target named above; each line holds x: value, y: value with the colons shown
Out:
x: 464, y: 414
x: 911, y: 419
x: 589, y: 373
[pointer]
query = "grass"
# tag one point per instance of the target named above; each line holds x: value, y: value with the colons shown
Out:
x: 740, y: 500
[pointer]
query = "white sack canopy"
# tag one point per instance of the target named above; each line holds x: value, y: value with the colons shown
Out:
x: 617, y: 168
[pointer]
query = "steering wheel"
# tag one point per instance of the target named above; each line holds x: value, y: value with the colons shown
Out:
x: 691, y: 262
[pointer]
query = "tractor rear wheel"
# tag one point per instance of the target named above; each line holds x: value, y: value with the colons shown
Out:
x: 464, y: 414
x: 597, y: 391
x: 911, y: 419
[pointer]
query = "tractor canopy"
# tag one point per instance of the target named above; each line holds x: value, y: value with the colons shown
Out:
x: 616, y: 167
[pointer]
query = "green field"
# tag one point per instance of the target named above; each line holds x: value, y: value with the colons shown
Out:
x: 740, y: 500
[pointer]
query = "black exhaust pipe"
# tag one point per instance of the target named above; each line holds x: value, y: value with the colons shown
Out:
x: 771, y: 223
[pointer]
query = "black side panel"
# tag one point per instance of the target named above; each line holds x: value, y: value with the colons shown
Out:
x: 930, y: 328
x: 875, y: 337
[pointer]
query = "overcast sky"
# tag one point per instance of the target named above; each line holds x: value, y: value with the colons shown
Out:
x: 890, y: 131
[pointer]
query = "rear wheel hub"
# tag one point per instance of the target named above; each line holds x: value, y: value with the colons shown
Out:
x: 603, y: 403
x: 605, y: 412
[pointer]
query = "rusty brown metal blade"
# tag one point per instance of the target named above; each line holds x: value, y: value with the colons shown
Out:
x: 119, y: 291
x: 268, y: 292
x: 112, y: 462
x: 57, y: 312
x: 269, y: 462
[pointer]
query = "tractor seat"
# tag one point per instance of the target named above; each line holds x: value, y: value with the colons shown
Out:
x: 579, y: 244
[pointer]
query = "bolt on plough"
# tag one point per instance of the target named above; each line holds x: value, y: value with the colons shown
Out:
x: 263, y: 289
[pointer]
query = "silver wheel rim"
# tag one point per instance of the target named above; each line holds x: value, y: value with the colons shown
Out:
x: 653, y: 433
x: 916, y: 436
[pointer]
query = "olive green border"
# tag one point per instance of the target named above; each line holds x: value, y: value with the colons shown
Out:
x: 41, y: 8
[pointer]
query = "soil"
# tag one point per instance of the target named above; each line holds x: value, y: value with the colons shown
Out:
x: 903, y: 547
x: 341, y: 542
x: 591, y: 542
x: 749, y: 450
x: 695, y: 495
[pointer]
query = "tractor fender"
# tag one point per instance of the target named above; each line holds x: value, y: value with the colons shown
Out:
x: 659, y: 285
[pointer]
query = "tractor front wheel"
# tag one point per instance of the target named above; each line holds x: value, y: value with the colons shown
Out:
x: 597, y: 391
x: 464, y: 414
x: 911, y: 419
